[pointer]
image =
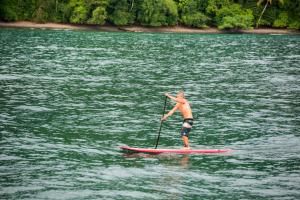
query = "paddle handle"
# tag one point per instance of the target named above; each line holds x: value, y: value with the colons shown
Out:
x: 161, y: 122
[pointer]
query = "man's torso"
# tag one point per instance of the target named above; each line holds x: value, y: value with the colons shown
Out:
x: 185, y: 110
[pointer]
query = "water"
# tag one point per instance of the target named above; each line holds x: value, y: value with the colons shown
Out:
x: 69, y: 99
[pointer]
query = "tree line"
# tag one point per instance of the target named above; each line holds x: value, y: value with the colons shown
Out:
x: 224, y: 14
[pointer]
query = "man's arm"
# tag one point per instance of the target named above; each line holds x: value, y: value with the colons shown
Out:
x: 170, y: 112
x: 175, y: 99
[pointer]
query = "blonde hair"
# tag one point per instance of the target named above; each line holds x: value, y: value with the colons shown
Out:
x: 181, y: 92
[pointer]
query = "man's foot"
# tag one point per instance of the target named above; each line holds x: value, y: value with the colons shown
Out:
x: 186, y: 148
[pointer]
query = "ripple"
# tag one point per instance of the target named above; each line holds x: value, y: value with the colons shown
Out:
x: 70, y: 98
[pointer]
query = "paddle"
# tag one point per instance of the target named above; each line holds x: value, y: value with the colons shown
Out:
x: 161, y: 122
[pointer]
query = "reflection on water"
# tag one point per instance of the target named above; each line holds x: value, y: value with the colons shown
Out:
x: 182, y: 160
x: 69, y: 99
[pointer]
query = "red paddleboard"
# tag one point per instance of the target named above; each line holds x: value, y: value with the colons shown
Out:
x: 176, y: 151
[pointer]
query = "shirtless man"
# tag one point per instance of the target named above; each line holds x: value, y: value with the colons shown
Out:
x: 184, y: 107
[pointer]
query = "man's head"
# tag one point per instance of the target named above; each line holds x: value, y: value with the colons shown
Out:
x: 180, y: 94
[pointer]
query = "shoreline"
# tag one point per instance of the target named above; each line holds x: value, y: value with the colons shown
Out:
x: 134, y: 28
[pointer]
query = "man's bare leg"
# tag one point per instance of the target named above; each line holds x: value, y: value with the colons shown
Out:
x: 186, y: 142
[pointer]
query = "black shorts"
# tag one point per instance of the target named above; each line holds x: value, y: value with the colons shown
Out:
x: 186, y: 127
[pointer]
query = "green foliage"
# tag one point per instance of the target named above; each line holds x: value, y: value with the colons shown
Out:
x: 8, y: 10
x: 282, y: 20
x: 293, y: 9
x: 268, y: 3
x: 187, y: 6
x: 122, y: 12
x: 225, y: 14
x: 13, y: 10
x: 212, y: 8
x: 63, y: 12
x: 79, y: 15
x: 197, y: 19
x: 294, y: 24
x: 96, y: 11
x: 99, y: 16
x: 234, y: 17
x: 88, y: 11
x: 40, y: 15
x: 157, y: 13
x: 92, y: 5
x: 120, y: 17
x: 269, y: 17
x: 191, y: 13
x: 96, y: 3
x: 44, y: 11
x: 236, y: 22
x: 215, y: 5
x: 252, y: 5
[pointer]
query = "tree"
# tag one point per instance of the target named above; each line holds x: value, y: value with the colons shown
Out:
x: 213, y: 6
x: 122, y: 12
x: 197, y: 19
x: 13, y: 10
x: 191, y: 13
x: 63, y: 12
x: 264, y: 9
x: 293, y: 10
x: 96, y: 9
x: 8, y: 10
x: 157, y: 13
x: 234, y: 17
x: 45, y: 11
x: 225, y: 14
x: 282, y: 20
x: 88, y: 11
x: 79, y: 12
x: 98, y: 17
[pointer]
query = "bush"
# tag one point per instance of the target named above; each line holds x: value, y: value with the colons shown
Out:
x: 268, y: 17
x: 98, y: 17
x: 295, y: 24
x: 122, y: 12
x: 293, y: 10
x: 213, y: 7
x: 8, y: 11
x: 234, y: 17
x: 8, y: 14
x: 79, y: 15
x: 120, y: 17
x: 192, y: 13
x: 198, y: 20
x: 157, y: 13
x: 64, y: 13
x: 171, y: 12
x: 236, y: 22
x: 40, y: 15
x: 281, y: 21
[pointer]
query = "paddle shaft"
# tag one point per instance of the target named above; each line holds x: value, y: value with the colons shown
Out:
x: 161, y: 122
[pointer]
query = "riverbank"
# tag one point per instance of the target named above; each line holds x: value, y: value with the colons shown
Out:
x: 111, y: 28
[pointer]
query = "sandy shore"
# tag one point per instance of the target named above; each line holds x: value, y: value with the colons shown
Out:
x: 175, y: 29
x: 182, y: 29
x: 28, y: 24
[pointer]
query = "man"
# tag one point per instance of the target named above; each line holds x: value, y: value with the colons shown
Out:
x: 184, y: 107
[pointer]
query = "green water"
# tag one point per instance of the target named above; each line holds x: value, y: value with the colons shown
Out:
x: 69, y: 99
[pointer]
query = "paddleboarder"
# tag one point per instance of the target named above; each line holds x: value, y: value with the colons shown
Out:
x: 184, y: 107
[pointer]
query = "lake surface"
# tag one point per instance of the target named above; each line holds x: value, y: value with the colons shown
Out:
x: 69, y: 99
